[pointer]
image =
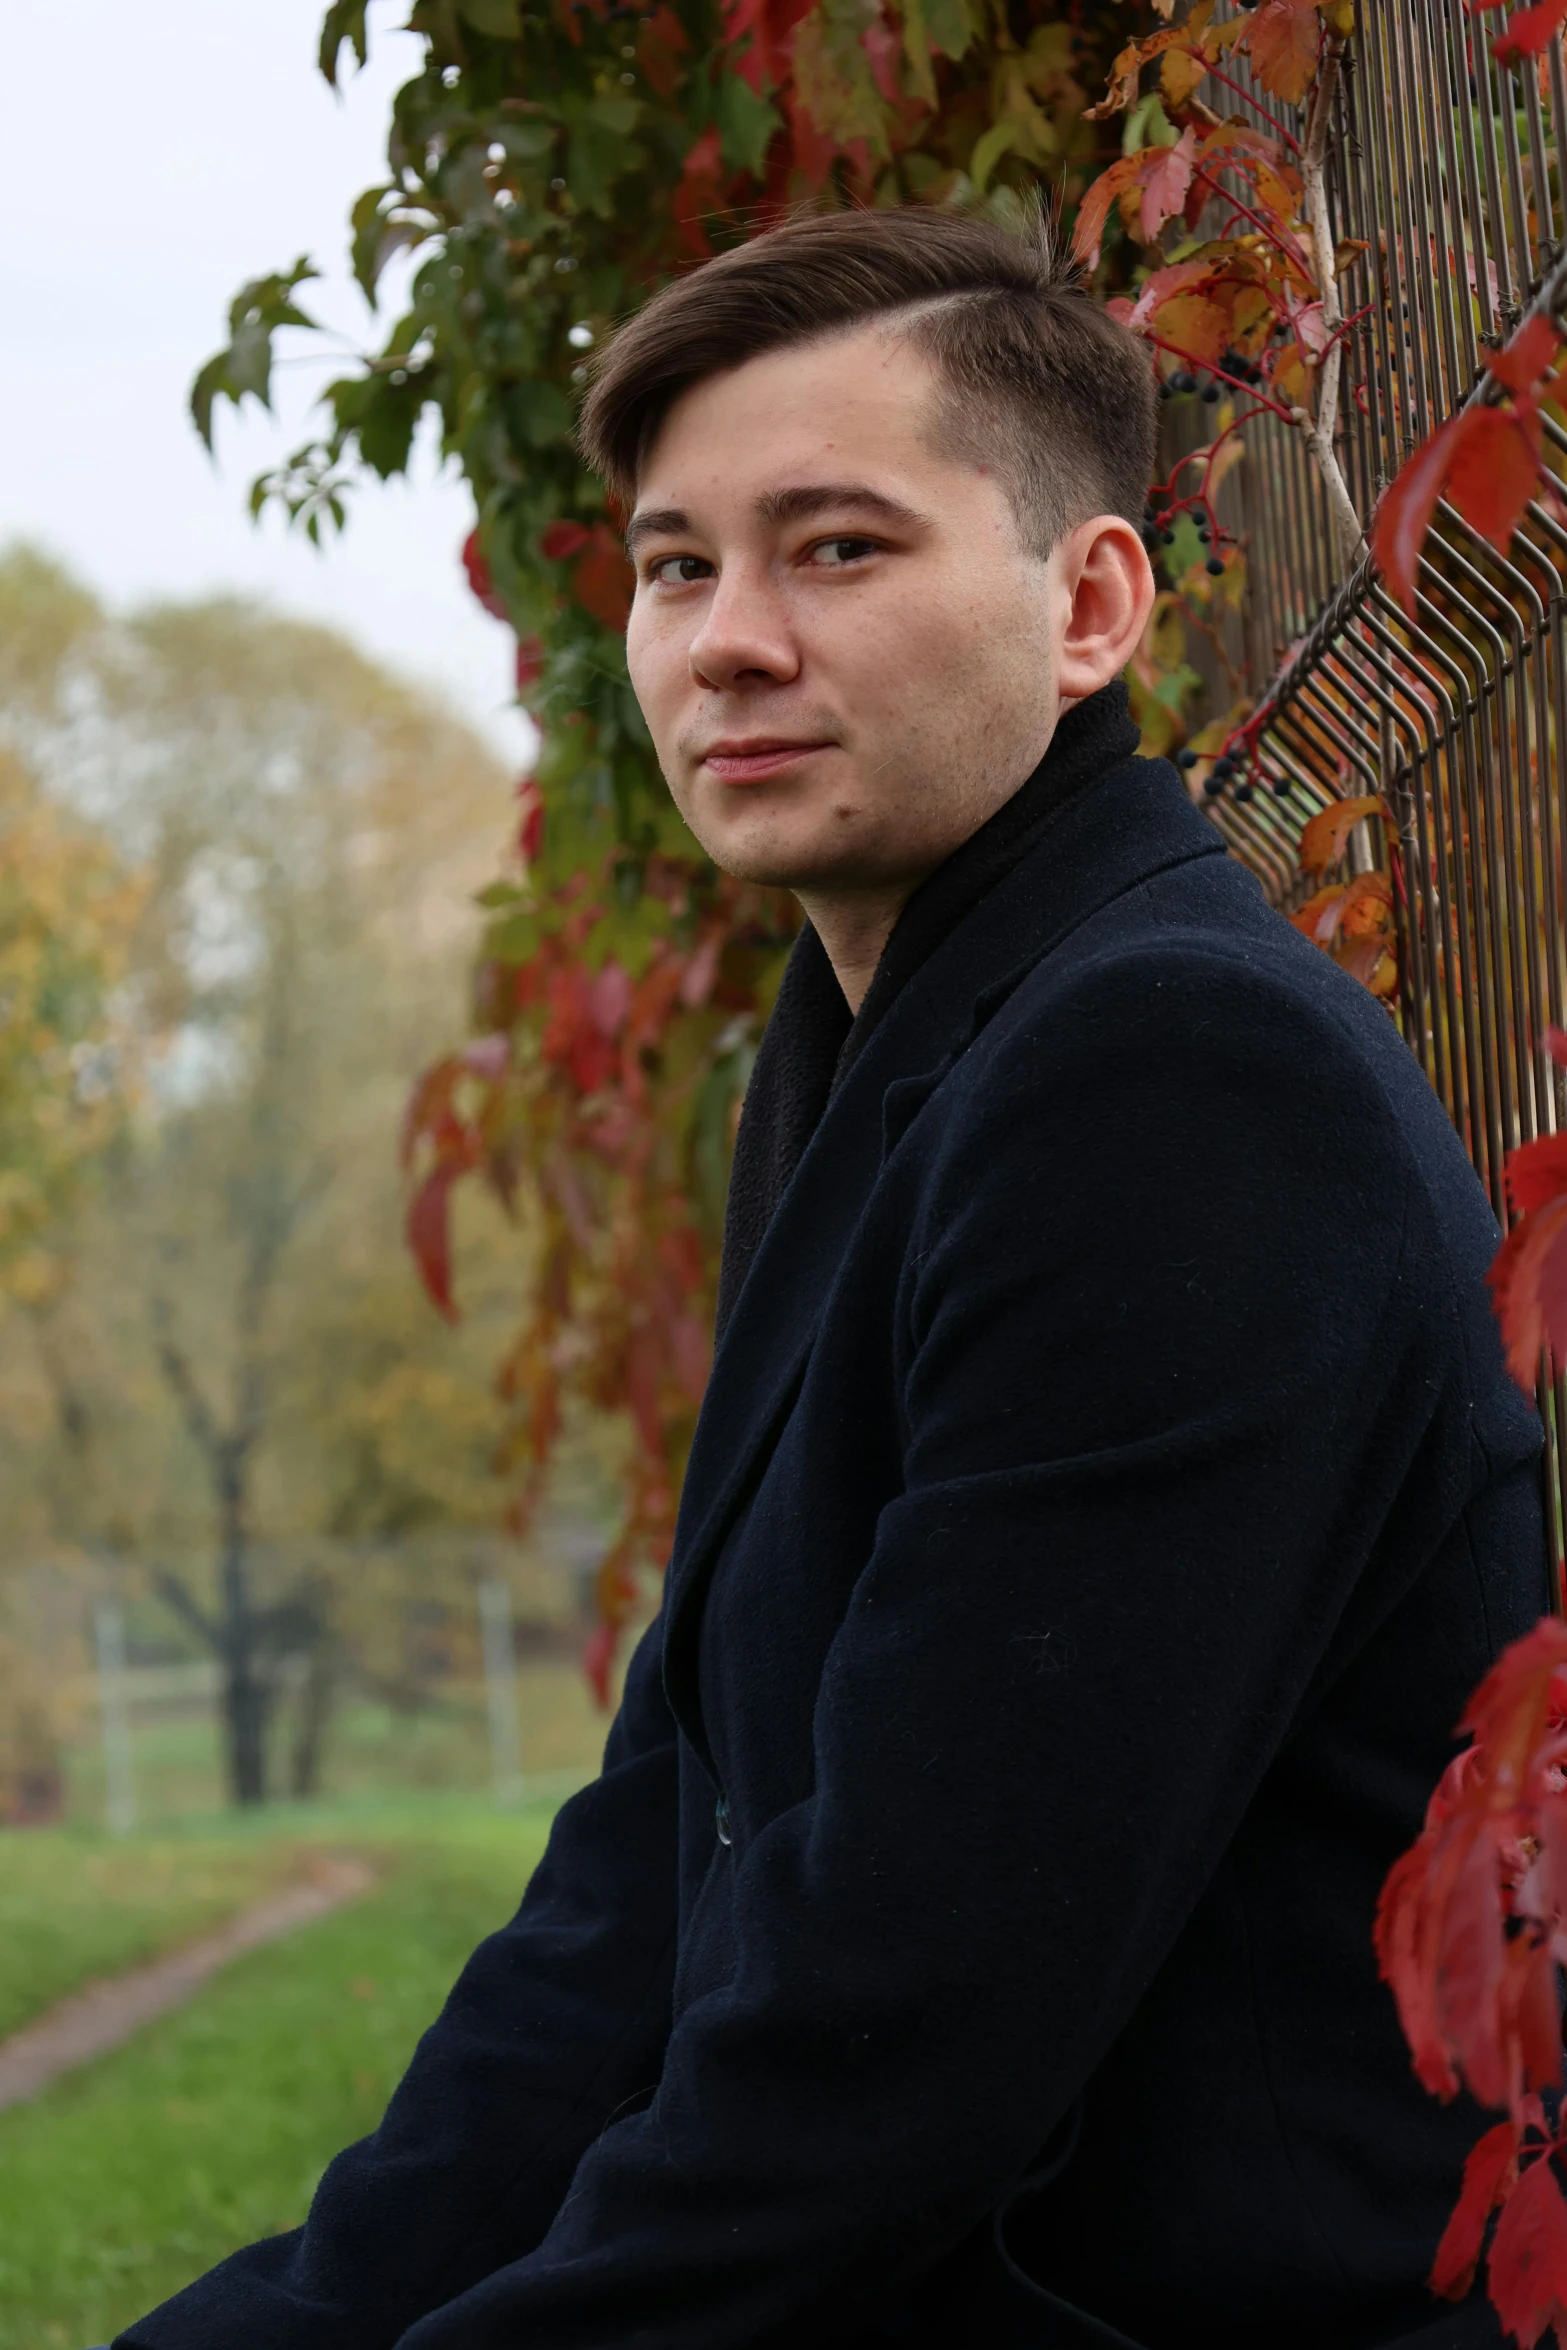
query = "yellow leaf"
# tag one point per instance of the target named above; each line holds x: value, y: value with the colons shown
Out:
x: 1290, y: 379
x: 1179, y: 75
x: 1326, y: 837
x: 1227, y: 456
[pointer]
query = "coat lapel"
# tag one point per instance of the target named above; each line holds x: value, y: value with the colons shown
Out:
x: 1134, y: 824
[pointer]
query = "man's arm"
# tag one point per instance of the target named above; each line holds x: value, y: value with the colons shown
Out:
x: 1146, y: 1281
x: 556, y: 2022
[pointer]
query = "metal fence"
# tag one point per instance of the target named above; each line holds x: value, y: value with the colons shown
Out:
x: 1448, y: 166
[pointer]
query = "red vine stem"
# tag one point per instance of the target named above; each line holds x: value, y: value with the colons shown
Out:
x: 1257, y: 221
x: 1250, y: 97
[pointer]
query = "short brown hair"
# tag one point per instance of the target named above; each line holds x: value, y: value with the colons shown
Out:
x: 1039, y: 381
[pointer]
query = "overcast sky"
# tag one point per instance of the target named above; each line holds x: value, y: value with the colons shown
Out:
x: 156, y: 157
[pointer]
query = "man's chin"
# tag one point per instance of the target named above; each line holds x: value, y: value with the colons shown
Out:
x: 775, y: 866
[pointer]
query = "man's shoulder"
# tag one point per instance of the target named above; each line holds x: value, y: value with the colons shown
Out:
x: 1189, y: 1021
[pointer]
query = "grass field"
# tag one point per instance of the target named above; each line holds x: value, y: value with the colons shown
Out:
x: 212, y: 2126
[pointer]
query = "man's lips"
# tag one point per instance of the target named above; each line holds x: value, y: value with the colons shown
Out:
x: 758, y: 759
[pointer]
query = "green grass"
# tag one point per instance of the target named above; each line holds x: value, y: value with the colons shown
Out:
x: 213, y: 2126
x: 73, y: 1907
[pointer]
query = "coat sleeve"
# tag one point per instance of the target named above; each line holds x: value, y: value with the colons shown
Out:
x: 557, y: 2021
x: 1168, y: 1251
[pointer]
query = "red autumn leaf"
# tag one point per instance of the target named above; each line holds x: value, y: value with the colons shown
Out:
x: 1324, y: 840
x: 598, y: 1659
x: 1283, y: 39
x: 609, y: 1000
x: 429, y: 1234
x: 696, y: 982
x: 564, y: 539
x: 479, y: 578
x: 1516, y: 1703
x: 1182, y: 277
x: 769, y: 24
x: 661, y: 44
x: 1405, y: 509
x: 1402, y: 1938
x: 603, y: 580
x: 1528, y: 1283
x: 1471, y: 1970
x: 1165, y: 175
x: 699, y: 192
x: 487, y: 1056
x: 429, y: 1105
x: 1526, y: 358
x: 1494, y: 467
x: 1536, y: 1173
x: 1536, y: 2018
x: 1527, y: 2270
x: 1488, y: 2175
x: 883, y: 48
x: 1530, y: 33
x: 1089, y: 227
x: 530, y: 826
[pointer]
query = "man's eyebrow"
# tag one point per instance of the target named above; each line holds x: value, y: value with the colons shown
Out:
x: 821, y: 497
x: 657, y: 523
x: 792, y: 505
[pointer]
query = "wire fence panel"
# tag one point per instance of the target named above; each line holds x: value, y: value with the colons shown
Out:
x: 1446, y: 165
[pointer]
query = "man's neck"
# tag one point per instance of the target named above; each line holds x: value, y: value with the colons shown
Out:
x: 854, y: 926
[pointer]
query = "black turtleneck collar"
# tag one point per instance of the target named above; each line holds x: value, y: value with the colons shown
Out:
x: 812, y: 1040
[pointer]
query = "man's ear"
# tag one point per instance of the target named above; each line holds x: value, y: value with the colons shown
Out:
x: 1107, y: 588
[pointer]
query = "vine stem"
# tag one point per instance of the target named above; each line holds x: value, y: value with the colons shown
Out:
x: 1318, y: 430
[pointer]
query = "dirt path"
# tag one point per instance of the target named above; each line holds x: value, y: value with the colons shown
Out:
x: 93, y: 2021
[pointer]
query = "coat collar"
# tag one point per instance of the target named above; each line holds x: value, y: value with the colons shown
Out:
x: 1137, y: 822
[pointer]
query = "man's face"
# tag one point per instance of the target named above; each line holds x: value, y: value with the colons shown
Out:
x: 843, y: 651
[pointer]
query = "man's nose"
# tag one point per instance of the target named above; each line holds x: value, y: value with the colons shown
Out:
x: 745, y: 637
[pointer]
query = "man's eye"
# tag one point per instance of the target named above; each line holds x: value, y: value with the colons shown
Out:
x: 680, y: 570
x: 834, y: 553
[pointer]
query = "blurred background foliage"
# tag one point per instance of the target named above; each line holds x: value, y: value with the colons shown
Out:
x: 236, y: 871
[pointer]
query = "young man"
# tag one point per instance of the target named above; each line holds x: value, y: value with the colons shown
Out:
x: 1107, y: 1494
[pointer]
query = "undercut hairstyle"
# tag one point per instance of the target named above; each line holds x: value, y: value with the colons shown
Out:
x: 1035, y: 380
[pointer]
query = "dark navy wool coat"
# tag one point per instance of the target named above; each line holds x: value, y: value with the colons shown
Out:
x: 1107, y: 1495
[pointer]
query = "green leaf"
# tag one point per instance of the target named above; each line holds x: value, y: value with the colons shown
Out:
x: 501, y: 19
x: 344, y: 21
x: 949, y: 26
x: 618, y: 114
x: 595, y: 160
x: 383, y: 414
x: 538, y: 414
x: 746, y: 124
x: 916, y: 51
x: 250, y: 362
x: 212, y: 380
x: 526, y: 142
x: 999, y: 140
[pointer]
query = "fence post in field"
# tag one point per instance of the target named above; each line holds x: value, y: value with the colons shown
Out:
x: 119, y: 1787
x: 500, y: 1688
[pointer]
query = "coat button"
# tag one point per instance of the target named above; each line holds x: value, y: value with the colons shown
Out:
x: 721, y: 1821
